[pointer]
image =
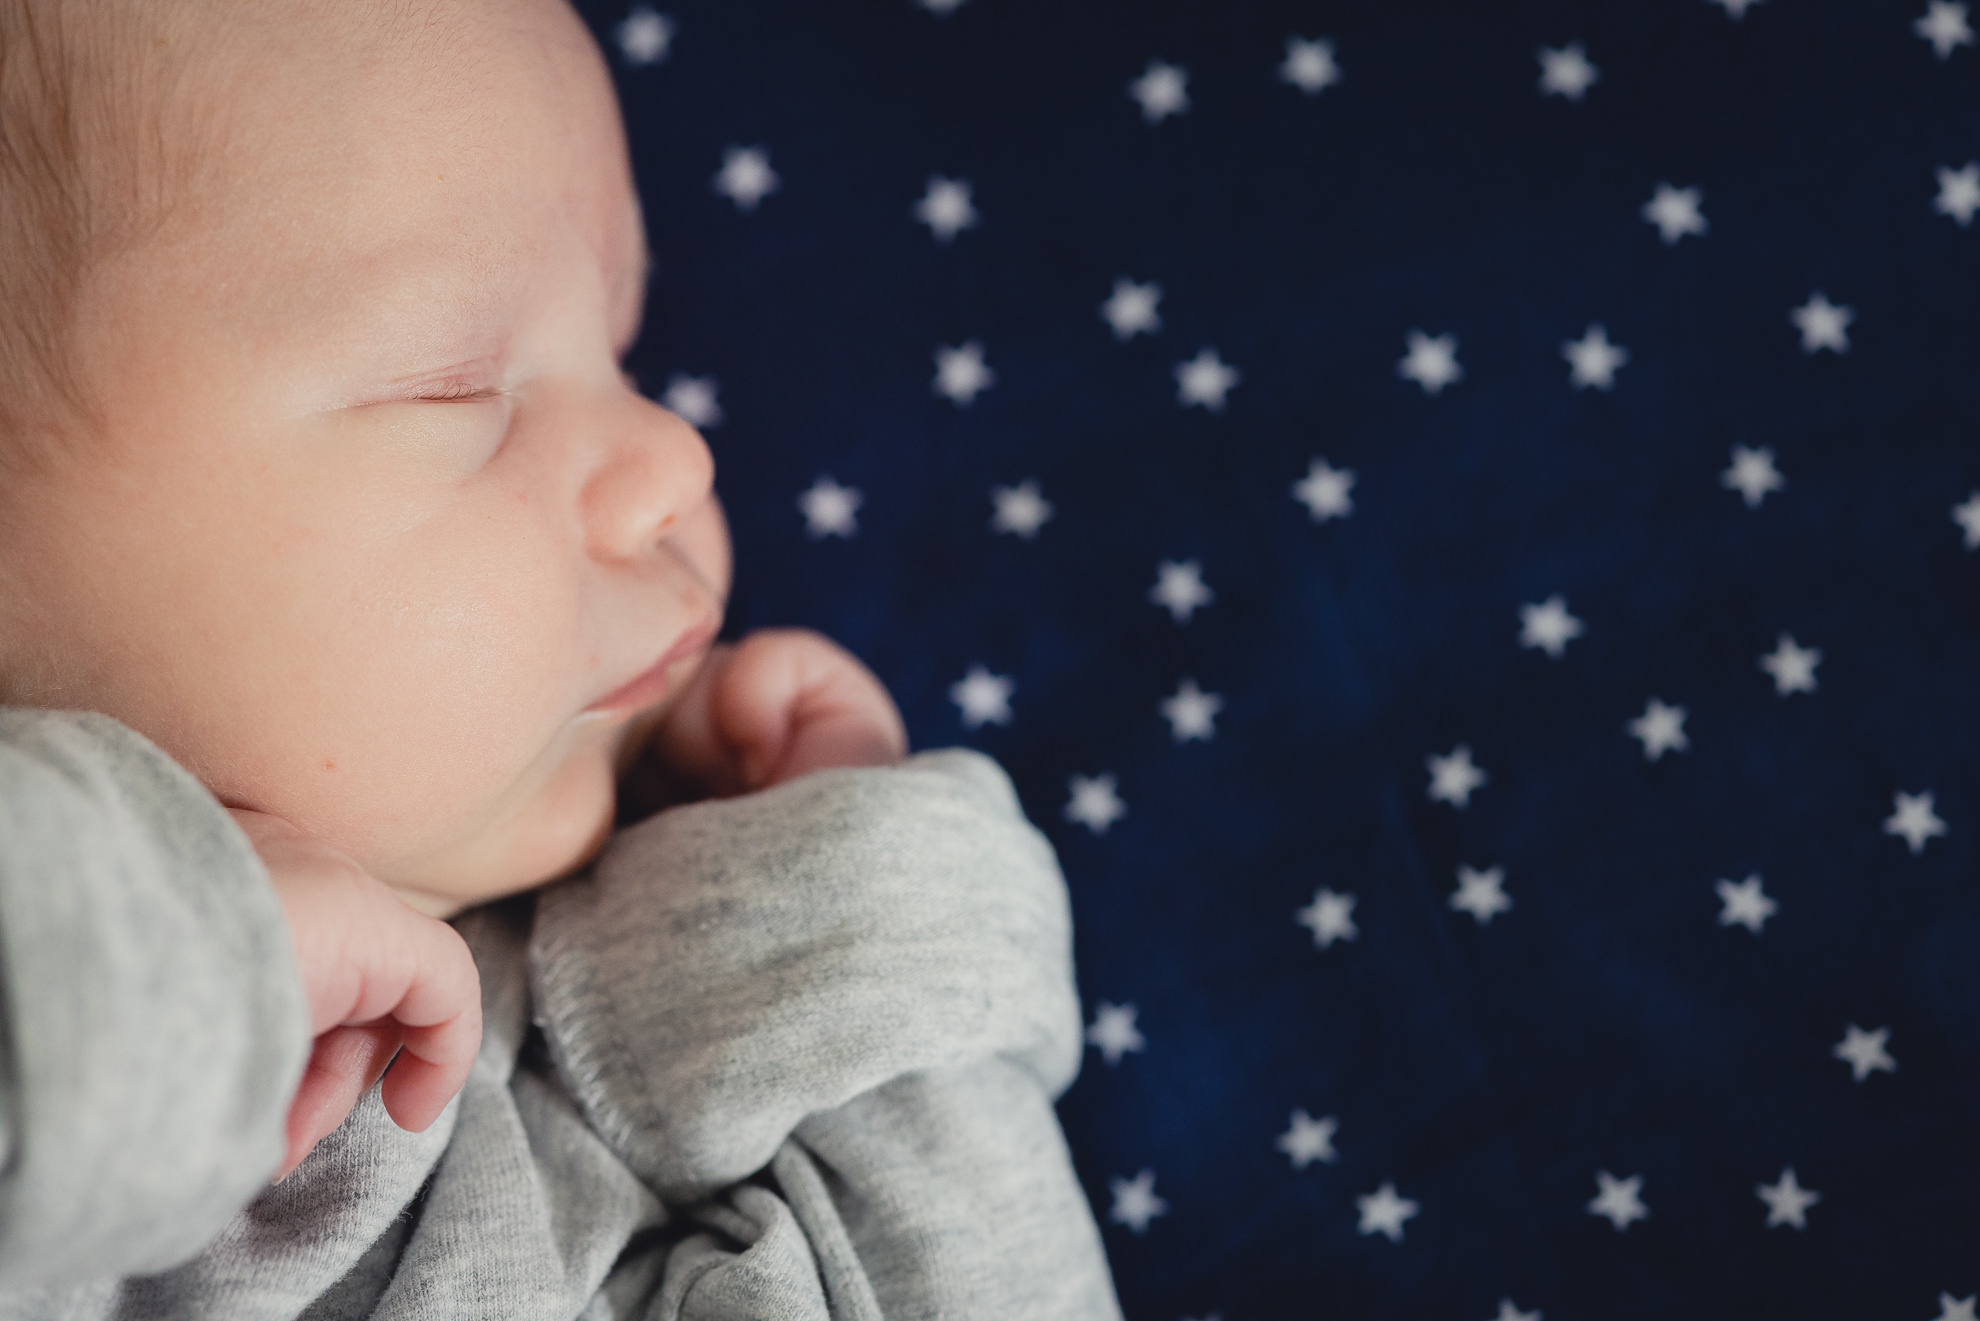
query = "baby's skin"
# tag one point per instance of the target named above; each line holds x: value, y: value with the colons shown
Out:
x: 370, y: 522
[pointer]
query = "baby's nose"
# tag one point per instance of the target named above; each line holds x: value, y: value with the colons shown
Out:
x: 656, y: 470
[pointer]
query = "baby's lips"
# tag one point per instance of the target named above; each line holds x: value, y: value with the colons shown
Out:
x: 651, y: 684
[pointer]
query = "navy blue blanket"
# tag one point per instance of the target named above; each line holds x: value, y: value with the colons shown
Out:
x: 1463, y: 522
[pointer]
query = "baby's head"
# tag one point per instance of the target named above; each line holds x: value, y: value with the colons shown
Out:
x: 317, y: 464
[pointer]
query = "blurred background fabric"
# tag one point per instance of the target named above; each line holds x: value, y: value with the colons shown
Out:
x: 1463, y: 523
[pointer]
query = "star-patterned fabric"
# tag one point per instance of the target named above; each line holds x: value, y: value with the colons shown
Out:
x: 1463, y: 523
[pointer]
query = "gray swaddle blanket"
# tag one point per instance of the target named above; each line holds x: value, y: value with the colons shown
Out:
x: 784, y: 1057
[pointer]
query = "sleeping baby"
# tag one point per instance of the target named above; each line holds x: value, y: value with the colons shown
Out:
x: 347, y: 588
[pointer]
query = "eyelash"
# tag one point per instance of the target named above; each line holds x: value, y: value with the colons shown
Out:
x: 460, y: 393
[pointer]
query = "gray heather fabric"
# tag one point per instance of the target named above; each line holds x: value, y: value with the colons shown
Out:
x: 790, y: 1055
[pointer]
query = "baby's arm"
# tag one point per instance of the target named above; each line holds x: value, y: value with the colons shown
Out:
x: 778, y: 704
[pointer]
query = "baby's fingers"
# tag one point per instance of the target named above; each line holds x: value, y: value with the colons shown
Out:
x: 439, y: 1018
x: 343, y: 1064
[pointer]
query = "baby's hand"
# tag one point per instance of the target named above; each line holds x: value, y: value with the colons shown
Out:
x: 778, y: 704
x: 380, y: 978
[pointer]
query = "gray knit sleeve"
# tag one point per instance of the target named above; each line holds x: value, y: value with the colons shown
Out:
x: 154, y: 1020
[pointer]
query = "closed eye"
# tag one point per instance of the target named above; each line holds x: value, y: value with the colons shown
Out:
x: 459, y: 392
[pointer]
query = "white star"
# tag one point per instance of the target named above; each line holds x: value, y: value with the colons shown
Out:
x: 940, y: 8
x: 1959, y: 193
x: 1020, y: 509
x: 1179, y: 589
x: 985, y: 698
x: 1945, y: 26
x: 1324, y: 491
x: 1968, y: 517
x: 1914, y: 819
x: 1752, y: 474
x: 1787, y: 1201
x: 1330, y: 917
x: 692, y: 399
x: 1661, y: 728
x: 1823, y: 325
x: 1549, y: 626
x: 945, y: 208
x: 1957, y: 1309
x: 1481, y: 893
x: 644, y: 36
x: 1095, y: 803
x: 829, y: 509
x: 1566, y: 72
x: 1382, y: 1212
x: 1736, y: 9
x: 746, y: 176
x: 1205, y: 380
x: 1431, y: 363
x: 1309, y: 1139
x: 1114, y: 1032
x: 1135, y: 1202
x: 1675, y: 213
x: 1793, y: 667
x: 960, y: 373
x: 1592, y: 360
x: 1310, y: 65
x: 1620, y: 1200
x: 1507, y: 1312
x: 1161, y: 90
x: 1130, y: 309
x: 1746, y: 904
x: 1864, y: 1051
x: 1192, y: 713
x: 1453, y: 778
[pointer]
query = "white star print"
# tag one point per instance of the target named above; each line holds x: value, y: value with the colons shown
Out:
x: 1945, y: 26
x: 1114, y: 1032
x: 1914, y: 819
x: 1793, y: 667
x: 1549, y: 626
x: 1787, y: 1201
x: 644, y: 36
x: 829, y: 509
x: 940, y: 8
x: 1736, y: 9
x: 1968, y: 517
x: 1959, y: 193
x: 945, y: 208
x: 1431, y: 363
x: 1661, y: 728
x: 1507, y: 1312
x: 1310, y: 65
x: 1746, y: 904
x: 1481, y: 893
x: 1864, y: 1052
x: 1752, y: 474
x: 1566, y: 72
x: 1324, y: 491
x: 1020, y: 509
x: 1135, y: 1202
x: 1130, y: 309
x: 1822, y: 324
x: 1205, y: 379
x: 1161, y: 90
x: 1675, y: 213
x: 1192, y: 713
x: 1330, y: 917
x: 1179, y: 589
x: 692, y: 399
x: 1095, y: 803
x: 1592, y: 360
x: 1957, y: 1309
x: 746, y: 176
x: 960, y: 373
x: 1382, y: 1212
x: 1620, y: 1200
x: 985, y: 698
x: 1309, y: 1139
x: 1453, y: 778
